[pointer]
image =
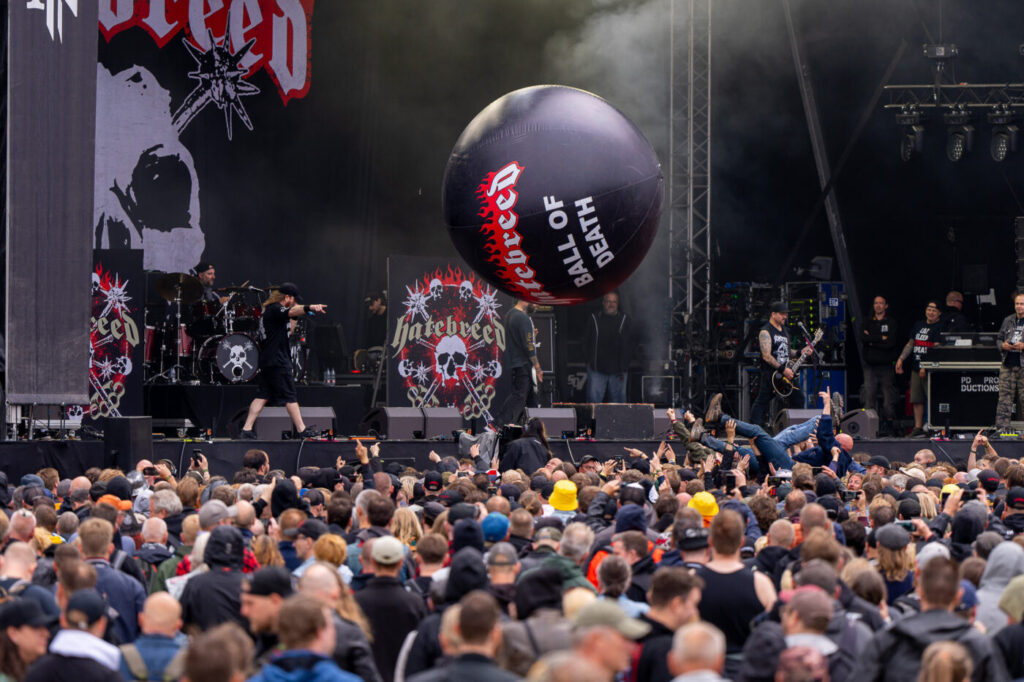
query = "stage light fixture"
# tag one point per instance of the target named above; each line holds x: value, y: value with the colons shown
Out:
x: 909, y: 119
x: 1004, y: 133
x: 959, y: 133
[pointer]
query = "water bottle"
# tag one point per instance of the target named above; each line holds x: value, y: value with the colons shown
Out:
x: 330, y: 377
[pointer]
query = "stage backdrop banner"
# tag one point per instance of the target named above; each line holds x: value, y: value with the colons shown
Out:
x: 51, y: 109
x: 116, y: 335
x: 446, y: 337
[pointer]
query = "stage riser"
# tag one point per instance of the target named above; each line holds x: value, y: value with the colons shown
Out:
x: 72, y: 458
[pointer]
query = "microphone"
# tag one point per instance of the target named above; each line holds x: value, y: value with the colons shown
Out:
x: 807, y: 334
x: 252, y: 288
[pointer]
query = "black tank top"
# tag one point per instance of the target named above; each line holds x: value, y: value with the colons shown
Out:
x: 780, y: 345
x: 729, y: 602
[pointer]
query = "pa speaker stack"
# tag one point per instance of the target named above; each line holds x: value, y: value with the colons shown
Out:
x: 557, y: 420
x: 861, y: 424
x: 273, y: 421
x: 787, y: 418
x: 624, y: 421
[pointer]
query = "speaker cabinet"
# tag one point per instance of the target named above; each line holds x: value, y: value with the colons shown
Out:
x: 622, y: 421
x: 127, y: 440
x: 393, y: 423
x: 273, y: 421
x: 861, y: 424
x: 439, y: 422
x: 556, y: 419
x: 787, y: 418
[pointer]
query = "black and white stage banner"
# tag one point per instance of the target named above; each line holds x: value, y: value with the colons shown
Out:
x: 51, y: 109
x: 446, y: 336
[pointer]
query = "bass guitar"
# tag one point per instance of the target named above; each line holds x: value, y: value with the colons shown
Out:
x: 783, y: 386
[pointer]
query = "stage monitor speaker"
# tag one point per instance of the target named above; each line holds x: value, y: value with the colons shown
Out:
x: 624, y: 421
x: 861, y: 424
x: 127, y: 440
x: 786, y: 418
x: 273, y: 421
x: 557, y: 420
x: 584, y: 415
x: 662, y: 425
x: 394, y: 423
x: 439, y: 422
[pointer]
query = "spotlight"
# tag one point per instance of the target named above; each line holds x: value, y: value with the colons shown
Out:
x: 911, y: 142
x: 959, y: 141
x: 1004, y: 141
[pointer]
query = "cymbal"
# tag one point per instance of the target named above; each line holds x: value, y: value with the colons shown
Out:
x: 170, y: 284
x: 233, y: 289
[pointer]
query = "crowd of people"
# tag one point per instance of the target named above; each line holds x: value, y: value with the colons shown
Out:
x: 782, y: 557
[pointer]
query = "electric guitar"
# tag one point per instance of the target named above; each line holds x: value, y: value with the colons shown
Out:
x: 783, y: 386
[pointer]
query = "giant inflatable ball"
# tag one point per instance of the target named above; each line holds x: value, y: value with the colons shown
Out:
x: 552, y: 195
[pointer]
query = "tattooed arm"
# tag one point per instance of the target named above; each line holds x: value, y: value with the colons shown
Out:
x: 764, y: 340
x: 904, y: 354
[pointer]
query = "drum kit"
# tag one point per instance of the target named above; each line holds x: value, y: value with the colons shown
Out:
x: 197, y: 340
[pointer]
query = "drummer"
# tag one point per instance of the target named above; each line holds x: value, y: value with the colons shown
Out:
x: 207, y: 275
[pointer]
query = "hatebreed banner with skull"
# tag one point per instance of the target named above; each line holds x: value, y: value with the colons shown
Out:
x: 446, y: 337
x: 116, y: 336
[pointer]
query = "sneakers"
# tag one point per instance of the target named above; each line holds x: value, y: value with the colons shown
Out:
x: 838, y: 408
x: 247, y: 434
x: 696, y: 431
x: 307, y: 433
x: 918, y: 432
x: 714, y: 413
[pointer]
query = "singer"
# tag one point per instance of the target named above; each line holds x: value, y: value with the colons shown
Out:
x: 275, y: 380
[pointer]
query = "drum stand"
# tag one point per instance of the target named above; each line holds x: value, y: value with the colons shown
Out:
x: 172, y: 375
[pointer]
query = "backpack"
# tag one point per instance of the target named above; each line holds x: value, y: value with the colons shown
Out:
x: 844, y: 659
x: 15, y: 590
x: 137, y: 667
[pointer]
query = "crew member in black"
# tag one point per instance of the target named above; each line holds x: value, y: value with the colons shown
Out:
x: 375, y: 330
x: 1011, y: 374
x: 923, y: 336
x: 773, y: 341
x: 520, y: 357
x: 953, y: 318
x: 880, y: 350
x: 275, y: 379
x: 607, y: 347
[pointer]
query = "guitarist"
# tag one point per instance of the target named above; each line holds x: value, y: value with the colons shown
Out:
x: 774, y: 343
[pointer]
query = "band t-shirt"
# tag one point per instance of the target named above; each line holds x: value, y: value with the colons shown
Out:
x: 519, y: 351
x: 780, y: 346
x: 1013, y: 333
x: 275, y: 351
x: 925, y: 336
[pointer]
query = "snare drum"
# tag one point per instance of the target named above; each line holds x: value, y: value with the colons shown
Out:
x: 186, y: 341
x: 246, y: 317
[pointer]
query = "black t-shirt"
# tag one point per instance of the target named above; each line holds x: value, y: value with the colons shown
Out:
x: 925, y: 336
x: 519, y: 349
x: 1013, y: 333
x: 376, y: 330
x: 274, y: 351
x: 780, y: 345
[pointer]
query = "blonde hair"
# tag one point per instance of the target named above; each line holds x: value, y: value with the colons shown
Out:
x: 928, y: 509
x: 275, y: 297
x: 267, y: 554
x: 575, y: 599
x: 331, y: 549
x: 41, y: 539
x: 894, y: 564
x: 945, y: 662
x: 406, y: 527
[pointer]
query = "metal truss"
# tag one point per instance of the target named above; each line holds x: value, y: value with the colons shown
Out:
x: 689, y: 192
x: 959, y: 96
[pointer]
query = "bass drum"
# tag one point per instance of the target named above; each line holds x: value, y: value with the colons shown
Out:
x: 231, y: 358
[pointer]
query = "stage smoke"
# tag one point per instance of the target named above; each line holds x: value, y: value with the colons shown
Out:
x: 552, y: 195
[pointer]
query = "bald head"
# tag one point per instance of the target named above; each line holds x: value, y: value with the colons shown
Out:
x: 154, y: 530
x: 781, y: 533
x: 80, y: 483
x: 320, y: 580
x: 246, y: 514
x: 813, y: 515
x: 161, y: 615
x: 845, y: 441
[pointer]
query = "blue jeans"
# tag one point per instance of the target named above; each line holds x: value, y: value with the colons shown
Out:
x: 598, y: 383
x: 791, y: 435
x: 771, y: 449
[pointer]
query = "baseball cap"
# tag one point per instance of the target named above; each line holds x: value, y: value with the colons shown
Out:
x: 588, y: 458
x: 930, y: 551
x: 290, y: 289
x: 32, y: 479
x: 602, y: 612
x: 467, y: 533
x: 630, y: 517
x: 431, y: 510
x: 23, y: 611
x: 84, y: 608
x: 510, y: 490
x: 495, y: 527
x: 450, y: 497
x: 312, y: 529
x: 461, y: 510
x: 1012, y: 599
x: 1015, y: 498
x: 120, y: 487
x: 914, y: 472
x: 432, y: 481
x: 988, y: 479
x: 538, y: 483
x: 548, y: 533
x: 694, y: 538
x: 270, y: 580
x: 935, y: 482
x: 879, y: 461
x: 778, y: 307
x: 215, y: 511
x: 387, y: 550
x: 969, y: 598
x: 502, y: 554
x: 116, y: 502
x: 892, y: 537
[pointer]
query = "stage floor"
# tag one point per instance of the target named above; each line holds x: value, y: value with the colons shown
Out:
x: 72, y: 458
